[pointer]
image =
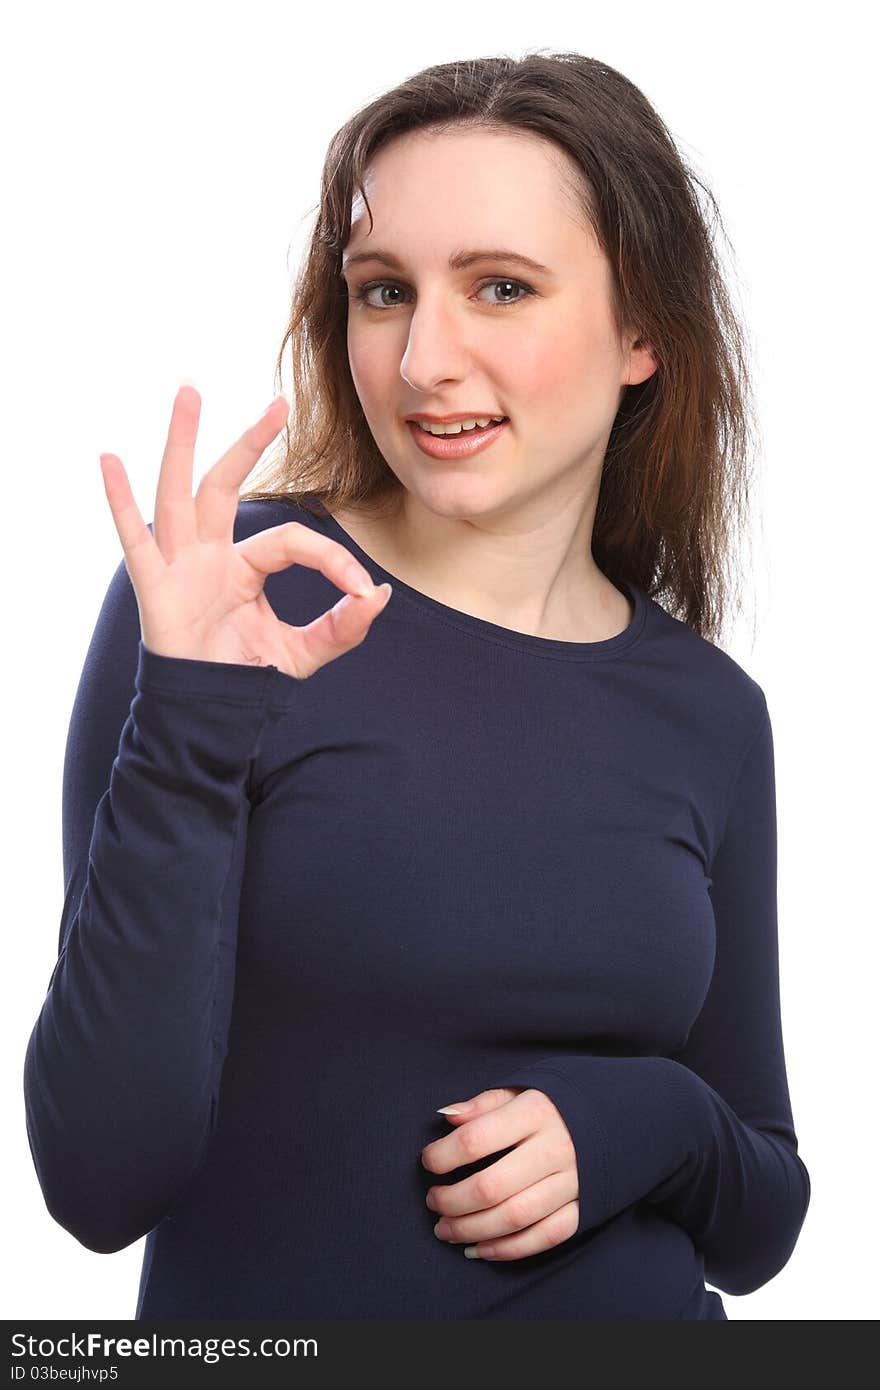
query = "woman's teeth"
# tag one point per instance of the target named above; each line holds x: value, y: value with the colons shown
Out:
x: 461, y: 425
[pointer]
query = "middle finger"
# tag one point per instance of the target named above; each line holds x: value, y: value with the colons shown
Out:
x: 528, y: 1163
x: 217, y: 495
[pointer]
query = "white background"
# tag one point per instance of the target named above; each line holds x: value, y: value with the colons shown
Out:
x: 161, y: 172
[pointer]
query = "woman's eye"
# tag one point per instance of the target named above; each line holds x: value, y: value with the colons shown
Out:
x: 391, y: 285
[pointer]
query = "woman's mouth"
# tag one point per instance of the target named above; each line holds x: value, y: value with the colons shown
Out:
x: 452, y: 446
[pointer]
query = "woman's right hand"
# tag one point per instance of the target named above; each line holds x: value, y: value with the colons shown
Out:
x: 199, y: 593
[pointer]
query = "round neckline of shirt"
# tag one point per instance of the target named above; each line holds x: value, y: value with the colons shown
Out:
x: 495, y: 632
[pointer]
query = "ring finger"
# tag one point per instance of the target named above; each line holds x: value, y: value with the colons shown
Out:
x: 514, y: 1214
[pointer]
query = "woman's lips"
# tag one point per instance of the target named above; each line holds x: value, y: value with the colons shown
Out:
x: 453, y: 446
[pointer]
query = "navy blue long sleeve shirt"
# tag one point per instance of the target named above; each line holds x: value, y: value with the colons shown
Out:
x: 301, y: 915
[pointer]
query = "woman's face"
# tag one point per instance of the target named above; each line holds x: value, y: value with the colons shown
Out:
x: 444, y: 340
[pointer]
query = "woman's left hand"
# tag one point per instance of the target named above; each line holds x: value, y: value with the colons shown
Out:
x: 524, y: 1203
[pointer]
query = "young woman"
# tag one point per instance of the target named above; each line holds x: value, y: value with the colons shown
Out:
x: 398, y: 932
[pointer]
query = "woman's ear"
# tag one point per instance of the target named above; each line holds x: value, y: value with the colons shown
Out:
x: 641, y: 363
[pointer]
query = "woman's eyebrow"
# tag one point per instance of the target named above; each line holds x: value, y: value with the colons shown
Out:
x: 459, y: 260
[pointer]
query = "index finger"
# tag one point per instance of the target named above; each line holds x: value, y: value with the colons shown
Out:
x: 292, y: 542
x: 477, y: 1138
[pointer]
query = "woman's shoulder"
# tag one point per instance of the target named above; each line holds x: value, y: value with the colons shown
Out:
x: 255, y: 514
x: 713, y: 682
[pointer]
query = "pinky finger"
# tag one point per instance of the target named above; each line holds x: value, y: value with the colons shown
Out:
x: 542, y: 1235
x: 142, y: 555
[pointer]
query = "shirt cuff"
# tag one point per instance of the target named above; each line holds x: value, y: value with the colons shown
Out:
x: 634, y: 1123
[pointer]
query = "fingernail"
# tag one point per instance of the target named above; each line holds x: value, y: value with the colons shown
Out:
x: 386, y: 588
x: 450, y: 1110
x: 470, y: 1252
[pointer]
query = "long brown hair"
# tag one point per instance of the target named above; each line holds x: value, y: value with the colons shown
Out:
x: 675, y: 480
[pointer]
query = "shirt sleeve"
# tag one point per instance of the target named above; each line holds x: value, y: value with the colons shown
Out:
x: 705, y: 1135
x: 123, y: 1065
